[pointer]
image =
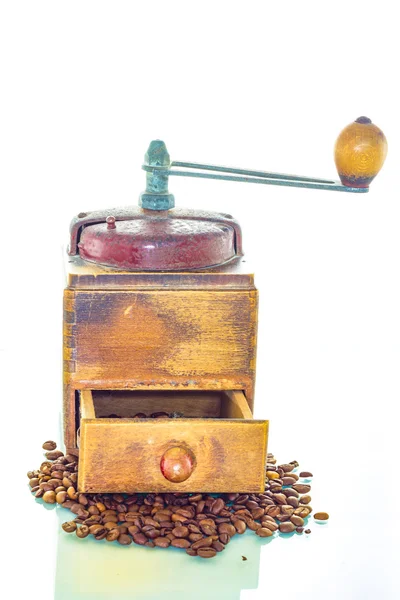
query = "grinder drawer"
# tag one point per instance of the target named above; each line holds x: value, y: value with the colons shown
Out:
x: 207, y: 442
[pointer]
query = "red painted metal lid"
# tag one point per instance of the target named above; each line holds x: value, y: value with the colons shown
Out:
x: 139, y: 240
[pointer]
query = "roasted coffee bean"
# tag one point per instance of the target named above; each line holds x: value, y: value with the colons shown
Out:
x: 305, y: 499
x: 302, y: 511
x: 133, y: 529
x: 287, y: 467
x: 269, y: 525
x: 302, y: 488
x: 61, y: 497
x: 195, y: 537
x: 224, y: 538
x: 280, y: 498
x: 113, y: 534
x: 240, y: 526
x: 162, y: 542
x: 287, y: 527
x: 53, y: 454
x: 305, y: 474
x: 298, y: 521
x: 49, y: 497
x: 96, y: 528
x: 307, y: 531
x: 251, y: 524
x: 293, y: 501
x: 217, y: 506
x: 289, y: 492
x: 180, y: 543
x: 82, y: 531
x: 139, y: 538
x: 272, y: 475
x: 227, y: 528
x: 218, y: 546
x: 203, y: 543
x: 242, y: 499
x: 124, y: 539
x: 321, y: 516
x: 264, y: 532
x: 207, y: 552
x: 288, y: 480
x: 49, y: 445
x: 69, y: 526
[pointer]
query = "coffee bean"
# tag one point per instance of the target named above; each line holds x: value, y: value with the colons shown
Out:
x: 293, y: 501
x: 321, y: 516
x: 61, y: 497
x: 203, y: 543
x: 272, y: 475
x: 191, y: 552
x: 240, y: 526
x: 180, y: 543
x: 264, y: 532
x: 217, y: 506
x: 302, y: 511
x: 302, y: 488
x: 298, y: 521
x: 49, y: 497
x: 162, y: 542
x: 181, y: 532
x: 69, y: 526
x: 227, y: 528
x: 305, y: 499
x: 306, y: 474
x: 82, y: 531
x: 287, y: 467
x: 49, y: 445
x: 269, y: 525
x: 307, y: 531
x: 299, y: 529
x: 288, y: 480
x: 113, y: 534
x: 206, y: 552
x: 53, y: 454
x: 218, y: 546
x: 286, y: 527
x: 140, y: 539
x: 72, y: 494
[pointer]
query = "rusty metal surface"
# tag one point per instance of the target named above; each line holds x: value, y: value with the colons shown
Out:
x: 138, y: 239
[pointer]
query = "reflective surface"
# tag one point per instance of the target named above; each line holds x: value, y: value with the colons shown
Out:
x: 88, y: 569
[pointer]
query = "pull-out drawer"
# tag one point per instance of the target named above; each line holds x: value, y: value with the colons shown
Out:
x: 201, y: 442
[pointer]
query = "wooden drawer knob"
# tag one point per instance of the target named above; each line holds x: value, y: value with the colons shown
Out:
x: 177, y: 464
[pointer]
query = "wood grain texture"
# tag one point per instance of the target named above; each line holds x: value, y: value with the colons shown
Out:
x: 87, y: 405
x: 123, y: 455
x: 234, y: 406
x: 157, y: 340
x: 127, y: 403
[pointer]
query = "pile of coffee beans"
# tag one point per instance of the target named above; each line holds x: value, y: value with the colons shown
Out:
x: 200, y: 524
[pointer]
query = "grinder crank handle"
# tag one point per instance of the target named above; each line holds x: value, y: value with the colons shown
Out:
x: 360, y: 152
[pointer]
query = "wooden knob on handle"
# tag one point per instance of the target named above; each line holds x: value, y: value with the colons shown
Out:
x: 360, y: 152
x: 177, y: 464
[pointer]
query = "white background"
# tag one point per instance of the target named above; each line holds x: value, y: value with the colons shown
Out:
x: 84, y: 87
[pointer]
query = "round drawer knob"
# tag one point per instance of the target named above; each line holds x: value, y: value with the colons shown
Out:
x: 177, y: 464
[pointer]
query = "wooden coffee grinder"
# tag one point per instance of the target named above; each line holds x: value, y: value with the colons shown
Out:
x: 160, y: 328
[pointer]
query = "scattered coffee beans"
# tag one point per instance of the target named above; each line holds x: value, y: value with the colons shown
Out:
x: 200, y: 524
x: 49, y: 446
x: 321, y: 516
